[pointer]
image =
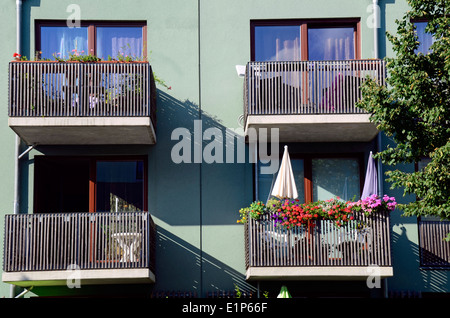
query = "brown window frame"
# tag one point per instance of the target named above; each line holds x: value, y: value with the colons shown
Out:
x: 92, y: 31
x: 92, y: 161
x: 307, y: 168
x: 307, y: 162
x: 304, y: 24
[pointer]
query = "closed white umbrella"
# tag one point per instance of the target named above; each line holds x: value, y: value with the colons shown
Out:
x: 284, y: 186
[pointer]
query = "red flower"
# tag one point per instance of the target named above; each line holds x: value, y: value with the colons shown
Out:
x: 16, y: 55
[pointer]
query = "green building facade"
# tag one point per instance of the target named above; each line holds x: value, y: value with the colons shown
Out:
x: 196, y: 47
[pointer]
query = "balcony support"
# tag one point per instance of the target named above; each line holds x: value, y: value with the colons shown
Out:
x: 26, y: 151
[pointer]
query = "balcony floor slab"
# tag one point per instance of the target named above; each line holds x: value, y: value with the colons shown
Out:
x: 318, y: 272
x: 314, y: 128
x: 84, y: 277
x: 84, y: 130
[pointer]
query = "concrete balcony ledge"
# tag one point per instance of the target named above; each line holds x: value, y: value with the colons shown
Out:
x: 316, y: 127
x: 318, y: 273
x: 84, y: 130
x: 83, y: 277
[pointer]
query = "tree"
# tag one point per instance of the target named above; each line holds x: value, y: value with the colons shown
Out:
x: 413, y: 109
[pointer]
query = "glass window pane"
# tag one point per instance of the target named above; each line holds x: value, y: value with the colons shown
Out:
x: 335, y: 178
x: 112, y: 41
x: 63, y: 40
x: 425, y: 39
x: 277, y: 43
x: 120, y: 186
x: 331, y: 44
x: 299, y: 176
x: 266, y: 181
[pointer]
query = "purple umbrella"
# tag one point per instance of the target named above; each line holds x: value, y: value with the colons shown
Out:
x: 371, y: 182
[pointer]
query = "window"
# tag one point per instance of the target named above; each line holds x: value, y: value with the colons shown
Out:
x: 327, y: 43
x: 320, y: 178
x: 305, y: 40
x: 119, y: 186
x: 277, y: 43
x: 62, y: 40
x: 103, y: 39
x: 425, y: 39
x: 112, y: 41
x: 333, y: 177
x: 89, y: 184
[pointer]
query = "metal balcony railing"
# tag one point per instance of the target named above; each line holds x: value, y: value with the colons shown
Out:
x: 74, y: 89
x: 307, y: 87
x: 434, y: 250
x: 59, y: 241
x: 365, y: 241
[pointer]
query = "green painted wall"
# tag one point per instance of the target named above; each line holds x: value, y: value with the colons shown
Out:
x: 7, y: 139
x: 195, y: 46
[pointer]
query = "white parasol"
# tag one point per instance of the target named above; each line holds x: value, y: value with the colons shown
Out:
x: 284, y: 186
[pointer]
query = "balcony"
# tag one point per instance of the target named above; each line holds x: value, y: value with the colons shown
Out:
x: 319, y: 251
x: 310, y: 101
x: 90, y: 248
x: 72, y: 103
x: 434, y: 250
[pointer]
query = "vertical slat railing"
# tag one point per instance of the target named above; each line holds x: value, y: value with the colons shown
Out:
x: 434, y: 250
x: 67, y: 89
x: 46, y: 242
x: 365, y: 241
x: 308, y: 87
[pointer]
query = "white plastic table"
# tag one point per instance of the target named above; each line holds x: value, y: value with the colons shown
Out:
x: 130, y: 244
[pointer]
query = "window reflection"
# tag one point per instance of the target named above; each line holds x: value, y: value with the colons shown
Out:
x: 62, y: 41
x: 277, y: 43
x: 425, y: 39
x: 120, y: 186
x: 331, y: 44
x: 115, y: 41
x: 266, y: 181
x: 335, y: 178
x: 331, y: 177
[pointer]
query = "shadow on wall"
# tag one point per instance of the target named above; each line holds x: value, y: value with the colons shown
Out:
x: 172, y: 271
x: 406, y: 261
x: 181, y: 175
x: 176, y: 260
